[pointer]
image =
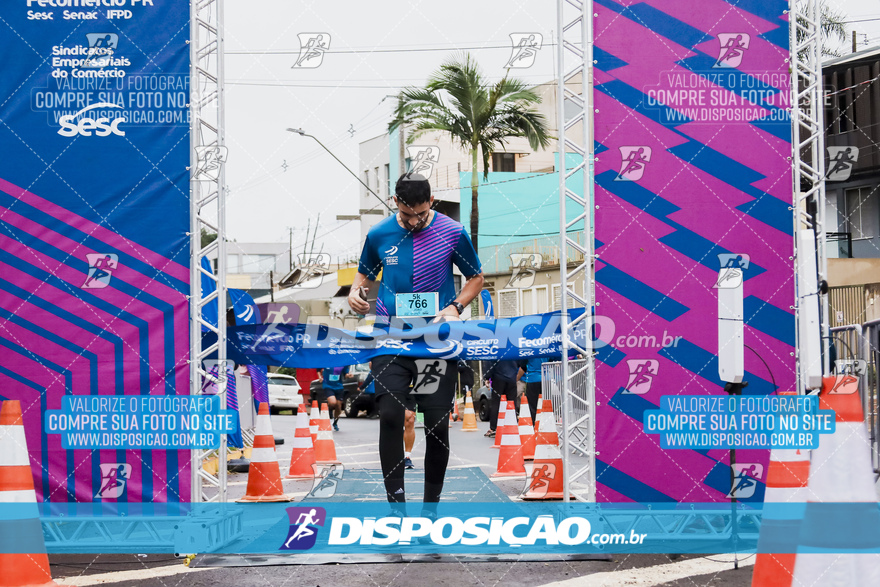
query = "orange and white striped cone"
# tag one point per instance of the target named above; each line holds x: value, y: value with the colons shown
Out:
x: 469, y: 423
x: 787, y: 476
x: 502, y: 409
x: 546, y: 425
x: 538, y: 409
x: 510, y: 456
x: 17, y: 486
x: 303, y: 455
x: 264, y: 476
x: 325, y: 448
x: 545, y: 482
x: 840, y: 472
x: 526, y: 432
x: 314, y: 416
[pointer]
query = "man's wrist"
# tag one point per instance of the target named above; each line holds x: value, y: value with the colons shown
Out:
x: 458, y: 307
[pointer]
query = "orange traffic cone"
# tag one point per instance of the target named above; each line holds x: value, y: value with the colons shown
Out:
x: 314, y: 416
x: 264, y: 477
x: 538, y: 409
x: 526, y: 432
x: 17, y: 486
x: 303, y: 456
x: 546, y: 425
x: 510, y: 457
x: 787, y: 476
x: 502, y: 409
x: 469, y: 423
x: 545, y: 482
x: 325, y: 448
x: 840, y: 472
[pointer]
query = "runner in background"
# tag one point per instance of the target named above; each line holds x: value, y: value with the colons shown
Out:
x: 503, y: 376
x: 532, y: 378
x: 334, y: 391
x: 415, y: 251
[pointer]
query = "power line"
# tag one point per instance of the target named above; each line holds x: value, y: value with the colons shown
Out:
x: 357, y: 51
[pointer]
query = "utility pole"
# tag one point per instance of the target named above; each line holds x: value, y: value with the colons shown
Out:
x: 855, y: 45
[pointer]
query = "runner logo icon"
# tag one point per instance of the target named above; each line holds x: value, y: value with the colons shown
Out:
x: 113, y: 478
x: 303, y: 532
x: 327, y: 478
x: 525, y: 49
x: 101, y: 267
x: 641, y: 375
x: 732, y: 268
x: 841, y: 161
x: 539, y: 483
x: 745, y: 477
x: 525, y: 266
x: 733, y: 47
x: 632, y: 163
x: 430, y: 372
x: 312, y: 49
x: 101, y: 48
x: 424, y: 158
x: 210, y: 158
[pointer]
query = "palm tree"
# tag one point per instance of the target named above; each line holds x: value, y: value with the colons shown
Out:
x: 479, y: 116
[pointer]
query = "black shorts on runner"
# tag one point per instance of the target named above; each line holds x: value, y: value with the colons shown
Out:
x: 426, y: 383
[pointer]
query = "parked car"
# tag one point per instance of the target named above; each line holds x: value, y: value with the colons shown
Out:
x: 354, y: 399
x: 284, y: 393
x: 482, y: 398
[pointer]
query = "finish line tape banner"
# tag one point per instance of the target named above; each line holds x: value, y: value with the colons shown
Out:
x: 693, y: 175
x: 94, y: 211
x: 320, y: 346
x: 313, y: 527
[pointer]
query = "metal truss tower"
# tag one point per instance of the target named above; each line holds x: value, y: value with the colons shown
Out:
x: 574, y: 56
x: 808, y: 162
x: 207, y: 213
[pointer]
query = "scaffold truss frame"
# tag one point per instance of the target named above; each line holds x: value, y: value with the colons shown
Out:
x: 208, y: 213
x: 575, y: 86
x: 808, y: 163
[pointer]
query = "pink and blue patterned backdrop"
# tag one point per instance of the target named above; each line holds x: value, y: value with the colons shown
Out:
x: 701, y: 87
x: 94, y: 214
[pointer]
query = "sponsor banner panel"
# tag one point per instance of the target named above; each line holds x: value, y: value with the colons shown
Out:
x: 94, y: 211
x: 693, y: 196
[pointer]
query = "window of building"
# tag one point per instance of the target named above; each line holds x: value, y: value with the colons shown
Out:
x: 378, y: 179
x: 860, y: 212
x: 232, y: 264
x: 508, y: 306
x: 528, y: 297
x: 503, y: 162
x: 557, y: 304
x: 366, y: 181
x: 843, y: 115
x: 541, y: 300
x: 388, y: 191
x: 257, y: 263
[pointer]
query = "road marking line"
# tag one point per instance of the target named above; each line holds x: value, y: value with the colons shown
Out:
x: 652, y: 576
x: 135, y: 575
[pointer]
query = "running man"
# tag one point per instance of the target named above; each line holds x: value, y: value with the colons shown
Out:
x: 334, y: 391
x: 415, y: 250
